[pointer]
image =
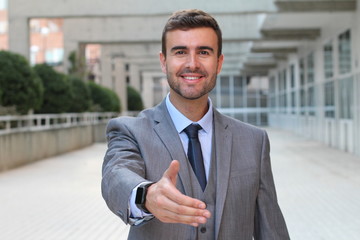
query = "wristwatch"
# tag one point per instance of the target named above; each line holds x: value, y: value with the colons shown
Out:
x: 140, y: 198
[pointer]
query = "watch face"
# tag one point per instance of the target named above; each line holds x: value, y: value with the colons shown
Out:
x: 140, y: 195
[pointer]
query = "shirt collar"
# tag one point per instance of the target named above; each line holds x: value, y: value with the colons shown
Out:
x: 181, y: 122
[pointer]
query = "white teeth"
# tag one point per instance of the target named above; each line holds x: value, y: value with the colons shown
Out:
x: 191, y: 78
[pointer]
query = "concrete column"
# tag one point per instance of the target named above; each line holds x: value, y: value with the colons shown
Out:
x: 148, y: 89
x: 105, y: 61
x: 113, y: 75
x: 356, y: 83
x: 134, y: 73
x: 18, y: 34
x: 119, y: 81
x: 70, y: 44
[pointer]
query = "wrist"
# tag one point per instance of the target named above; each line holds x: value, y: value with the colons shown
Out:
x: 140, y: 199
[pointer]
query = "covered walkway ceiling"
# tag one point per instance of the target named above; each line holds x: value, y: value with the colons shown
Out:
x: 257, y: 34
x: 315, y: 6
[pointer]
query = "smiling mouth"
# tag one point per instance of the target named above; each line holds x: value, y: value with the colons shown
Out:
x: 191, y: 78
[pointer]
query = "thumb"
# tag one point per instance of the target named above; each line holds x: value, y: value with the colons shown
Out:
x: 172, y: 171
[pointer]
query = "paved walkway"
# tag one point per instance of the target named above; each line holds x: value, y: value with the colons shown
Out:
x: 59, y: 198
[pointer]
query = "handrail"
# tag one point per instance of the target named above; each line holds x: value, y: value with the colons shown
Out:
x: 38, y: 122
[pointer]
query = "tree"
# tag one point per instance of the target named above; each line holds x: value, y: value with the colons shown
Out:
x: 57, y: 94
x: 104, y: 99
x: 20, y: 85
x: 81, y: 97
x: 134, y: 100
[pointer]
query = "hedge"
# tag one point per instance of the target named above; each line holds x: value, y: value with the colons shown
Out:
x: 134, y: 100
x: 104, y: 99
x: 57, y: 94
x: 81, y: 96
x: 20, y: 86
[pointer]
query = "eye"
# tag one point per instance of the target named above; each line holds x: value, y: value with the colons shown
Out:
x: 203, y: 52
x: 180, y: 52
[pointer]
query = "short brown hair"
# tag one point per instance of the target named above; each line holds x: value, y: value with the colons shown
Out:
x: 187, y: 19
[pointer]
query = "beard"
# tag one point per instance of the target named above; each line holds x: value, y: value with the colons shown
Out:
x: 190, y: 92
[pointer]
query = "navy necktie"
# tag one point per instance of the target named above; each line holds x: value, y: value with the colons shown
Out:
x: 194, y: 153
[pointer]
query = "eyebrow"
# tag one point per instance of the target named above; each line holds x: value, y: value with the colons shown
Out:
x: 178, y: 48
x: 184, y: 47
x: 206, y: 48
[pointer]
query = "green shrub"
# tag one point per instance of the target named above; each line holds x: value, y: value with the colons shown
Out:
x: 104, y: 99
x: 81, y: 98
x: 134, y: 100
x: 115, y: 101
x: 20, y: 85
x: 57, y: 94
x: 0, y: 94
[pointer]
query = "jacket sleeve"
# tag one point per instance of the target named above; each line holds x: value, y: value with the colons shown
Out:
x: 123, y: 167
x: 269, y: 221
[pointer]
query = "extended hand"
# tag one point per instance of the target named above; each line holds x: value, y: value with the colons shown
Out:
x: 169, y: 205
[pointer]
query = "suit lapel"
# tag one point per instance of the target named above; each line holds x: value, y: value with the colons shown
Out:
x: 167, y: 133
x: 223, y: 143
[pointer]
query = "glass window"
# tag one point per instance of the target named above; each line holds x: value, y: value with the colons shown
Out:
x: 272, y: 103
x: 54, y: 56
x: 311, y: 100
x: 302, y: 101
x: 225, y: 91
x: 329, y: 99
x: 252, y: 99
x: 310, y: 68
x: 280, y: 85
x: 346, y: 98
x: 238, y: 91
x: 272, y: 93
x: 284, y: 80
x: 283, y: 102
x: 328, y: 60
x: 3, y: 27
x: 345, y: 52
x: 292, y: 76
x: 272, y: 85
x: 293, y: 102
x: 302, y: 72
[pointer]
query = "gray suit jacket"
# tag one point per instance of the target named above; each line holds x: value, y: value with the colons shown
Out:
x: 142, y: 148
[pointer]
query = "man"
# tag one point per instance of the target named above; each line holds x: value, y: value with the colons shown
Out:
x: 152, y: 176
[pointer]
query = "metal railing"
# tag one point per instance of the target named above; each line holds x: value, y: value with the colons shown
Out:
x: 38, y: 122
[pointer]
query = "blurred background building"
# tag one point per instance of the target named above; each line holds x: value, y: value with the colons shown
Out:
x: 288, y: 64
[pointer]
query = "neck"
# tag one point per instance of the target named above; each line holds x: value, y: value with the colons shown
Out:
x: 192, y: 109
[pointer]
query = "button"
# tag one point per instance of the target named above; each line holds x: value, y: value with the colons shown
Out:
x: 203, y: 229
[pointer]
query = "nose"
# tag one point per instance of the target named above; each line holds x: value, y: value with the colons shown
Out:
x: 193, y: 62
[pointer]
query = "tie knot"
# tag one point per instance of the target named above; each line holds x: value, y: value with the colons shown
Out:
x: 192, y: 130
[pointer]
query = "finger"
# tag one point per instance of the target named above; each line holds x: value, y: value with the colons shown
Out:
x: 171, y: 217
x: 172, y: 171
x: 187, y: 201
x: 182, y: 210
x: 168, y: 211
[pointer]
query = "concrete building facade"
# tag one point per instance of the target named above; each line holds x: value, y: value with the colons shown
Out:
x: 288, y: 64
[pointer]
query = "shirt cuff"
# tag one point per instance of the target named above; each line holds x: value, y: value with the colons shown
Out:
x: 137, y: 216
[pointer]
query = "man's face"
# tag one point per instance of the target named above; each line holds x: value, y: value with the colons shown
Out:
x: 191, y: 63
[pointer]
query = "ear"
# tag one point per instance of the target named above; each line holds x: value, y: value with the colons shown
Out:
x: 162, y: 62
x: 220, y: 63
